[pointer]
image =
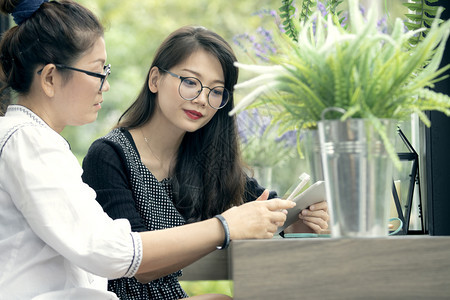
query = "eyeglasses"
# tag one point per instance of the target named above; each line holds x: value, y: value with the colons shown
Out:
x: 191, y: 87
x: 106, y: 72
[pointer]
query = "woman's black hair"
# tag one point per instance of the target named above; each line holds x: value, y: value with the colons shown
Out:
x: 208, y: 176
x: 57, y: 32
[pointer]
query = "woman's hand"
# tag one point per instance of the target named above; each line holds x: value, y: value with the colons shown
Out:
x: 257, y: 219
x: 313, y: 219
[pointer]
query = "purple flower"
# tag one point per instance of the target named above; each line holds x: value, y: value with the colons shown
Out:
x: 321, y: 7
x: 253, y: 125
x: 382, y: 25
x: 289, y: 138
x: 362, y: 10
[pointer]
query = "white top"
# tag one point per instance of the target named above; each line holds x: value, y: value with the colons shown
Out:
x: 54, y: 236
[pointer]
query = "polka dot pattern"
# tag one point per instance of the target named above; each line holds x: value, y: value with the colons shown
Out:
x: 154, y: 203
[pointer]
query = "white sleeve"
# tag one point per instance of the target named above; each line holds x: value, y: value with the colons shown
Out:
x: 44, y: 181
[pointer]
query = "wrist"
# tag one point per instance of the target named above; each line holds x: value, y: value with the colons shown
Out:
x: 226, y: 229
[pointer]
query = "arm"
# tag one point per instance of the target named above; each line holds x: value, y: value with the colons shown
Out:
x: 46, y: 187
x: 170, y: 250
x: 105, y: 170
x: 175, y: 248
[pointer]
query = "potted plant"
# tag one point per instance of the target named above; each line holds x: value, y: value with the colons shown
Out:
x: 374, y: 77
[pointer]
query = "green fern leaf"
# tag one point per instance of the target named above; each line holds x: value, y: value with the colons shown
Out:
x: 287, y: 12
x: 423, y: 16
x: 412, y: 26
x: 307, y: 10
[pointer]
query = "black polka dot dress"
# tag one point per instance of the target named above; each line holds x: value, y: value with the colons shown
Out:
x: 127, y: 189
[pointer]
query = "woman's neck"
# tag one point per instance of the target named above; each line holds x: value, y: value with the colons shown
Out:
x: 163, y: 140
x: 41, y: 110
x: 158, y: 146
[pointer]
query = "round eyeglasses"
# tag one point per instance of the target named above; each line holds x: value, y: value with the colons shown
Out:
x: 103, y: 77
x: 191, y: 87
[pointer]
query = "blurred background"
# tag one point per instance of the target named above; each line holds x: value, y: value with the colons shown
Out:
x: 134, y: 31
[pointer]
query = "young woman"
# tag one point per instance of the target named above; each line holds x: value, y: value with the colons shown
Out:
x: 174, y: 157
x: 56, y: 242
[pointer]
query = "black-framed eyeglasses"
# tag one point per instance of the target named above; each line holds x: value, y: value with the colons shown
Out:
x: 191, y: 87
x: 103, y: 77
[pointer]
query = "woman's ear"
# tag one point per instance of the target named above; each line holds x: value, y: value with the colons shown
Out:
x: 47, y: 79
x: 153, y: 79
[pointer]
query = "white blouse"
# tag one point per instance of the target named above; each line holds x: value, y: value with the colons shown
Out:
x: 55, y: 240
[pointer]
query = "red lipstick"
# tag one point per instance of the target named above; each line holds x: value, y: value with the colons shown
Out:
x: 193, y: 114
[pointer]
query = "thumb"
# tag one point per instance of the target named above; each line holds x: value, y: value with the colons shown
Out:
x: 263, y: 196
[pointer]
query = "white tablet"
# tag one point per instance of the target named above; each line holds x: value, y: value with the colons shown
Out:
x: 313, y: 194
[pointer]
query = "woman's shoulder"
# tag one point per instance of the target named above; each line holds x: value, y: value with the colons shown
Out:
x: 23, y: 125
x: 116, y: 135
x: 117, y: 143
x: 117, y: 138
x: 33, y: 136
x: 109, y: 144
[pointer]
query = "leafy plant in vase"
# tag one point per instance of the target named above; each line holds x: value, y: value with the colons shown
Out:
x: 365, y: 81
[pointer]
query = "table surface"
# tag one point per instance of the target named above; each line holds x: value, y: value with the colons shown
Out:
x: 403, y: 267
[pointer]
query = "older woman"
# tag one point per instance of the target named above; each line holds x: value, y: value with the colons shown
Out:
x: 55, y: 240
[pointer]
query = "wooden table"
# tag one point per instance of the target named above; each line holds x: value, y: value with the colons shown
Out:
x: 404, y: 267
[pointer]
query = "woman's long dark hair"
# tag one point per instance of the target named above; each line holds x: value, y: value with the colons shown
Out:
x: 208, y: 176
